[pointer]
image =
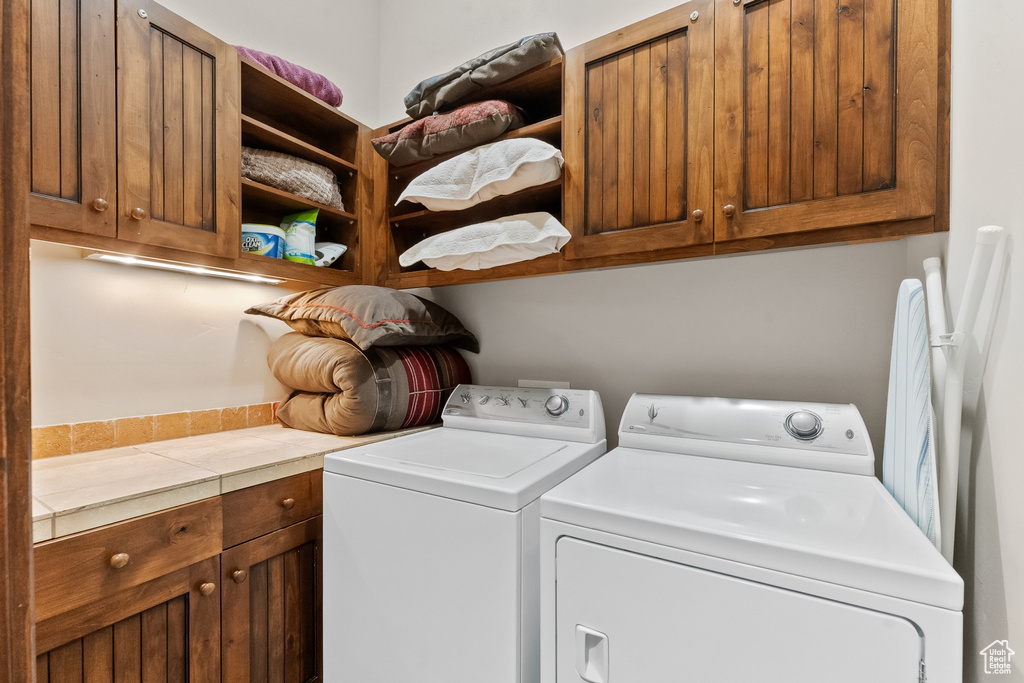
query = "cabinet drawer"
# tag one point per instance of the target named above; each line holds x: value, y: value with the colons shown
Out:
x: 258, y: 510
x: 80, y: 569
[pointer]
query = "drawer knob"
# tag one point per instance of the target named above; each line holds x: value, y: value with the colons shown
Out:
x: 119, y: 561
x: 138, y: 213
x: 99, y: 204
x: 698, y: 215
x: 239, y: 575
x: 288, y: 503
x: 207, y: 588
x: 729, y: 210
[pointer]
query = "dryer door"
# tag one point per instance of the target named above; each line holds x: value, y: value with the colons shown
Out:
x: 628, y: 617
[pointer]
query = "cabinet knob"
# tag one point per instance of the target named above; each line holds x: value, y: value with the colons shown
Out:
x: 99, y: 204
x: 207, y: 588
x: 239, y: 575
x: 138, y: 213
x: 698, y: 215
x: 119, y: 561
x: 729, y: 210
x: 288, y: 503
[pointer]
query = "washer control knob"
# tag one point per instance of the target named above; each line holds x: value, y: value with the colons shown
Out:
x: 556, y: 405
x: 803, y: 425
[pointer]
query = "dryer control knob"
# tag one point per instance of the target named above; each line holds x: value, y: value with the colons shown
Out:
x: 803, y: 425
x: 556, y: 405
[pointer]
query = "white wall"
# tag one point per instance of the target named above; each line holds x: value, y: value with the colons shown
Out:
x: 337, y: 38
x: 114, y: 341
x: 987, y: 181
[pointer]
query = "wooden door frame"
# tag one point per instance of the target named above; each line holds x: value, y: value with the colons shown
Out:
x: 16, y: 635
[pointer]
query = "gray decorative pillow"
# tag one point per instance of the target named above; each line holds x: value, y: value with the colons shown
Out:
x: 497, y: 66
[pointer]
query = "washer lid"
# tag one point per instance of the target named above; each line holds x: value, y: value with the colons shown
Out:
x: 840, y: 528
x: 503, y: 471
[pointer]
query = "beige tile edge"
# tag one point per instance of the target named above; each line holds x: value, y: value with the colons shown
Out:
x: 56, y: 440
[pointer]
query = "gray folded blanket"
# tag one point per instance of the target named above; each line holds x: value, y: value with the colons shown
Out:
x: 292, y: 174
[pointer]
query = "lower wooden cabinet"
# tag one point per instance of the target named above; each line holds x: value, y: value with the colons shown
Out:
x: 271, y: 606
x: 159, y: 598
x: 164, y: 630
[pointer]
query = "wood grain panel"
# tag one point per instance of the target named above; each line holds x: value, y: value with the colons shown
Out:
x: 258, y: 510
x: 192, y: 131
x: 208, y: 163
x: 641, y: 156
x: 46, y: 97
x: 610, y: 146
x: 624, y: 185
x: 594, y: 131
x: 97, y: 654
x: 826, y: 117
x: 177, y: 642
x: 801, y: 131
x: 170, y: 129
x: 756, y: 109
x: 850, y: 153
x: 293, y: 587
x: 676, y: 115
x: 156, y: 110
x: 128, y: 650
x: 70, y: 145
x: 66, y: 664
x: 259, y: 638
x: 659, y: 133
x: 779, y: 94
x: 154, y: 644
x: 275, y: 623
x: 879, y: 95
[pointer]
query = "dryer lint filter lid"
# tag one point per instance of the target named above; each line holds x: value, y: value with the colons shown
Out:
x: 495, y: 456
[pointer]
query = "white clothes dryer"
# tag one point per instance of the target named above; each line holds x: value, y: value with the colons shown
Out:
x: 728, y: 541
x: 431, y: 541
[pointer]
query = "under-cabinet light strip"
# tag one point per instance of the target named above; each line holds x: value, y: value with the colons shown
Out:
x: 181, y: 268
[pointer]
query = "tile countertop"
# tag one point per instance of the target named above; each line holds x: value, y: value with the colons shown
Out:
x: 73, y: 493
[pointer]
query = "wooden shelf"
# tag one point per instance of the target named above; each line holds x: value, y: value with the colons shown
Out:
x: 289, y: 270
x: 287, y: 200
x: 549, y: 130
x: 280, y: 105
x: 258, y: 134
x: 539, y: 198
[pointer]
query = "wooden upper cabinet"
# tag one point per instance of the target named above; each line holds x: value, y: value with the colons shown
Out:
x: 73, y: 132
x: 638, y: 135
x: 827, y: 115
x: 179, y: 133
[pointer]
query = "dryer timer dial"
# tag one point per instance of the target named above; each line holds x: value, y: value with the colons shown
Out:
x: 556, y: 405
x: 804, y: 425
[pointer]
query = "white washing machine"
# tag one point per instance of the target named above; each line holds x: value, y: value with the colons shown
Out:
x: 431, y: 541
x: 729, y: 541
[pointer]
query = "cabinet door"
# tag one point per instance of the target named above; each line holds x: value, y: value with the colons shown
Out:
x: 272, y: 606
x: 74, y: 155
x: 826, y: 114
x: 167, y: 629
x: 179, y: 133
x: 638, y: 135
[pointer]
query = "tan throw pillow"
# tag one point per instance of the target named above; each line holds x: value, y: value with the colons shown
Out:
x: 369, y: 316
x: 464, y: 128
x: 500, y: 168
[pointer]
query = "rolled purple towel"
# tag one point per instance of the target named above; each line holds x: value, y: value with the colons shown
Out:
x: 316, y: 85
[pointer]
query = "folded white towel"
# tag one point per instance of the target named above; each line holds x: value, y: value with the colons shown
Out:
x: 511, y: 239
x: 485, y: 172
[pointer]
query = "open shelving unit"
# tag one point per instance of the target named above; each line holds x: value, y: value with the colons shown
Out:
x: 538, y: 93
x: 280, y: 117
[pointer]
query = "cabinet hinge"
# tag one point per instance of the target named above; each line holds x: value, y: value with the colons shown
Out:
x: 922, y: 676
